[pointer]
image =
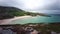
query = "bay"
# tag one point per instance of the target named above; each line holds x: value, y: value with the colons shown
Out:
x: 37, y: 19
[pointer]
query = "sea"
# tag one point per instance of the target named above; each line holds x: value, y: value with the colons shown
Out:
x: 38, y: 19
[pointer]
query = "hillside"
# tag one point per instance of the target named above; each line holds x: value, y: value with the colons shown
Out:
x: 10, y: 12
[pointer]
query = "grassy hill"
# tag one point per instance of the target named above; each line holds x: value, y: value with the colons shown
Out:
x: 10, y: 12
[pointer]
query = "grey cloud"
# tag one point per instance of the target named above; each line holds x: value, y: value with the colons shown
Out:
x: 50, y: 11
x: 53, y: 8
x: 10, y: 3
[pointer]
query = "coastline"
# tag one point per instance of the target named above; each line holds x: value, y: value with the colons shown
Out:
x: 21, y: 17
x: 7, y: 21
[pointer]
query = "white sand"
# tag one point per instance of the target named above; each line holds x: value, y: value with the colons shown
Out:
x: 7, y: 21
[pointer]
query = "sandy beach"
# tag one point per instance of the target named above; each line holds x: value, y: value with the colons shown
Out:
x: 7, y: 21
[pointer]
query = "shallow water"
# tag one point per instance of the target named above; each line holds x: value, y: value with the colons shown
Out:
x: 37, y: 19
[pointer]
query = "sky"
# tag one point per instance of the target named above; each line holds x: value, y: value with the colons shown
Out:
x: 41, y: 6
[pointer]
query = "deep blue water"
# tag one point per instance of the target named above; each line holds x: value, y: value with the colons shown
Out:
x: 38, y: 19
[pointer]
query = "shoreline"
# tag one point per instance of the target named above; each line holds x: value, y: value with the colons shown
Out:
x: 8, y: 21
x: 21, y: 17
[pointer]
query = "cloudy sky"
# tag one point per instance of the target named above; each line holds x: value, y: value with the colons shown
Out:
x: 42, y: 6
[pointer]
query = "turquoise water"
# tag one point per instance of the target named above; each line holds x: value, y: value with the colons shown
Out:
x: 37, y: 19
